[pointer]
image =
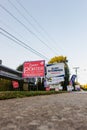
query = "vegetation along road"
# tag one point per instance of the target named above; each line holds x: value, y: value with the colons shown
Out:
x: 67, y: 111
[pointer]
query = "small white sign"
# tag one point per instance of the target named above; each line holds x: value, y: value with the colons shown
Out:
x: 54, y: 80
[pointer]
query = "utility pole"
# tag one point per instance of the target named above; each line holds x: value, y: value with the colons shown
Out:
x: 0, y: 62
x: 76, y: 69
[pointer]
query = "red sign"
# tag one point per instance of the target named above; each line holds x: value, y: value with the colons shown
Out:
x: 15, y: 84
x: 47, y: 88
x: 34, y: 69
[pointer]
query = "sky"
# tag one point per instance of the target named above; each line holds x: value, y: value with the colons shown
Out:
x: 41, y: 29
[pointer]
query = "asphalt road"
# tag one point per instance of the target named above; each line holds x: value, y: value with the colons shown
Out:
x: 50, y: 112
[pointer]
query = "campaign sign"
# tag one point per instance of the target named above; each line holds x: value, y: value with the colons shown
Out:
x: 55, y: 80
x: 15, y: 84
x: 34, y: 69
x: 54, y: 70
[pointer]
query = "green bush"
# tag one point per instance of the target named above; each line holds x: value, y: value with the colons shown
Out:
x: 5, y: 85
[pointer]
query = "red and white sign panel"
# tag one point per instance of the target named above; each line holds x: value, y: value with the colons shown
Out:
x: 15, y: 84
x: 34, y: 69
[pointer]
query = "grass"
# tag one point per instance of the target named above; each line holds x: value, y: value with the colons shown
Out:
x: 20, y: 94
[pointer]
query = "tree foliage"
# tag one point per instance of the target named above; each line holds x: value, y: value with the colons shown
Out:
x: 58, y: 59
x: 84, y: 86
x: 20, y: 67
x: 5, y: 85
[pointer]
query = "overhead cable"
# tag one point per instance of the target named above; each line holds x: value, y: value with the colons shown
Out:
x: 23, y: 16
x: 34, y: 19
x: 25, y: 27
x: 30, y: 23
x: 21, y: 43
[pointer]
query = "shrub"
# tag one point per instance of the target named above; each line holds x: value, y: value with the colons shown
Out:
x: 21, y: 94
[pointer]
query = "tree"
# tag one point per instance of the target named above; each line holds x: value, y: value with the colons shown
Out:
x: 5, y: 85
x: 84, y: 87
x: 62, y: 59
x: 20, y: 67
x: 58, y: 59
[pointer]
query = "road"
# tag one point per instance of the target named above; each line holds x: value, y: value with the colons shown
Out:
x: 67, y: 111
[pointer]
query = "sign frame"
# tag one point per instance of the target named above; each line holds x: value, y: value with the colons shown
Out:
x: 34, y: 69
x: 55, y: 70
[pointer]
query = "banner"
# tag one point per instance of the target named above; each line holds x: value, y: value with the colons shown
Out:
x: 72, y: 80
x: 34, y: 69
x: 55, y: 80
x: 54, y: 70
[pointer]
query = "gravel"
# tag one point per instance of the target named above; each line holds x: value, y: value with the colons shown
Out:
x: 67, y: 111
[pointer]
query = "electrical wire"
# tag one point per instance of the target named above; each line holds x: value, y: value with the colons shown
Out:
x: 21, y: 37
x: 25, y: 27
x: 23, y: 16
x: 21, y: 43
x: 30, y: 23
x: 34, y: 19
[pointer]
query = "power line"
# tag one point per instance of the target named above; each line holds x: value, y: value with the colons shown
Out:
x: 11, y: 28
x: 34, y: 19
x: 21, y: 43
x: 28, y: 48
x: 25, y: 26
x: 28, y: 20
x: 7, y: 26
x: 40, y: 55
x: 31, y: 16
x: 23, y: 16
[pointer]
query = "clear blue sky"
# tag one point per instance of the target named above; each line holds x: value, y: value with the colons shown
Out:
x: 51, y: 27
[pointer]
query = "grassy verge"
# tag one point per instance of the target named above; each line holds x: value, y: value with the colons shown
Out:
x: 21, y: 94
